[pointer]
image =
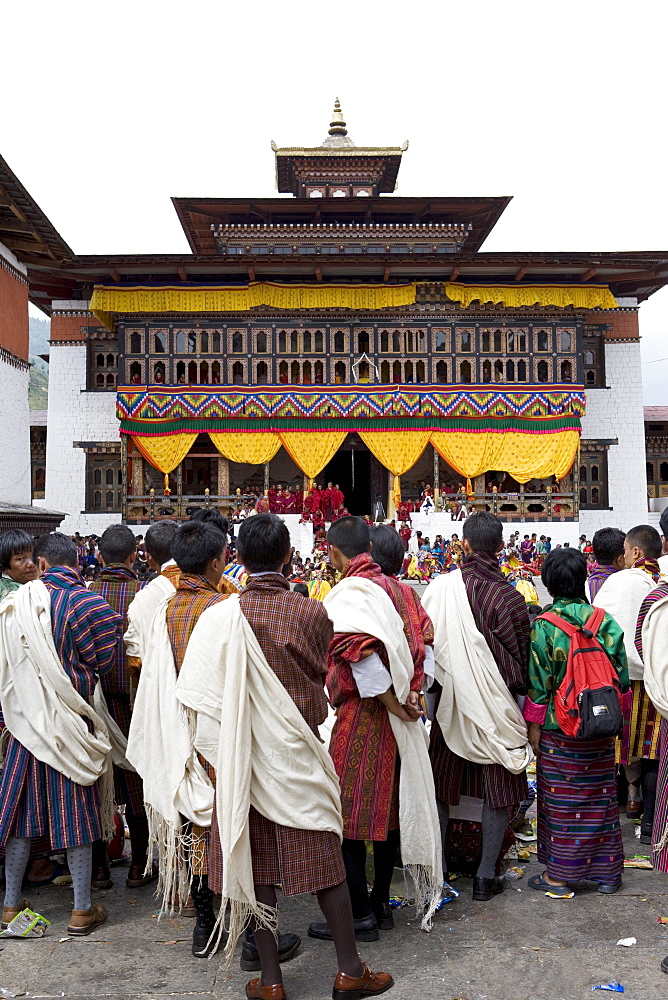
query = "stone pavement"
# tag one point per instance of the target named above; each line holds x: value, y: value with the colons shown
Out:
x: 518, y: 946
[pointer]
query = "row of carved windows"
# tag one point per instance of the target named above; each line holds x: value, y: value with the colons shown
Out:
x: 393, y: 341
x: 593, y: 478
x: 406, y: 371
x: 103, y: 368
x: 103, y: 482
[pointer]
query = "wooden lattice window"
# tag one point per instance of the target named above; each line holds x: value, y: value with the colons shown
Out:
x: 593, y: 476
x: 103, y: 481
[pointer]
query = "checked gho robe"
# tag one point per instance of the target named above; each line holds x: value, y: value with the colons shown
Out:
x: 362, y: 745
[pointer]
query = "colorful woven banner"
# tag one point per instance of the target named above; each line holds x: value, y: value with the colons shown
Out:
x: 351, y: 403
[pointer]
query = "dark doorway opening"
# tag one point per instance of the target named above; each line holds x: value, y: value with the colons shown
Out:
x: 340, y: 470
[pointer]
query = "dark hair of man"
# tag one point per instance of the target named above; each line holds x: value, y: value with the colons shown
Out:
x: 608, y: 544
x: 647, y: 538
x: 158, y: 541
x: 263, y: 543
x: 57, y: 549
x: 195, y: 544
x: 564, y: 574
x: 212, y: 516
x: 350, y: 535
x: 484, y: 532
x: 301, y: 588
x: 13, y: 543
x: 117, y: 543
x: 387, y: 549
x: 663, y: 522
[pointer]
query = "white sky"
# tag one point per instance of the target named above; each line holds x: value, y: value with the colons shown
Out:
x: 110, y: 109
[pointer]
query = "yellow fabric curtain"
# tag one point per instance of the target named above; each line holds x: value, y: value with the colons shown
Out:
x: 523, y: 456
x: 239, y: 298
x: 398, y: 451
x: 312, y: 450
x: 579, y: 296
x: 253, y: 448
x: 164, y: 453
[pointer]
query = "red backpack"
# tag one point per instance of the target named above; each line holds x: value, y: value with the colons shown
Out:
x: 588, y: 702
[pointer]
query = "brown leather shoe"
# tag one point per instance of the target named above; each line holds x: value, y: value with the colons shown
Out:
x: 256, y: 991
x: 9, y: 912
x: 136, y: 877
x: 633, y: 810
x: 101, y: 878
x: 369, y: 984
x: 83, y: 922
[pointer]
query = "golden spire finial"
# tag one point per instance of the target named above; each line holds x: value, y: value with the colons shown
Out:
x: 337, y: 126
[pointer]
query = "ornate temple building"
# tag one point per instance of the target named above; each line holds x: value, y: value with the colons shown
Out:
x: 341, y: 332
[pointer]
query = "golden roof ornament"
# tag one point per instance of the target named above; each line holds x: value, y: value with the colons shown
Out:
x: 337, y: 126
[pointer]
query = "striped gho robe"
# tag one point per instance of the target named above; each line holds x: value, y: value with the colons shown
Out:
x: 194, y: 594
x: 117, y: 585
x: 35, y: 799
x: 362, y: 745
x: 501, y: 616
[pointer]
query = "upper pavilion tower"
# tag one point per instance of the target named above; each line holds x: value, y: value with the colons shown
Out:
x: 338, y: 168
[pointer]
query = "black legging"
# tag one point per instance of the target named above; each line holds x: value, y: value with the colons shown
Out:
x: 384, y: 856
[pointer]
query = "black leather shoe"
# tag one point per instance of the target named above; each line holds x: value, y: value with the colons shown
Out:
x: 664, y: 964
x: 366, y: 929
x: 485, y: 888
x: 201, y: 946
x: 384, y: 917
x: 250, y: 956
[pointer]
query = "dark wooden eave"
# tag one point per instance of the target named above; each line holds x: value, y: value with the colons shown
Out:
x: 24, y: 228
x: 197, y: 215
x: 632, y: 274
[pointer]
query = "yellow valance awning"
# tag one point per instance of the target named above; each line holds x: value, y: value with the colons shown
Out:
x: 514, y: 296
x: 108, y: 300
x: 523, y: 456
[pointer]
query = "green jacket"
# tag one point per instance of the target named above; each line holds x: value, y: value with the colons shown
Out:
x: 7, y: 585
x: 548, y: 654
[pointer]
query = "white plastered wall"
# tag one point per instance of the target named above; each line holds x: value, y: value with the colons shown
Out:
x: 15, y: 486
x: 75, y: 415
x: 617, y: 412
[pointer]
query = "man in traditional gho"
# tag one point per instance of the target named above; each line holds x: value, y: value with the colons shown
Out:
x: 118, y: 585
x: 55, y: 755
x: 374, y: 678
x: 176, y: 788
x: 621, y: 596
x: 479, y: 746
x: 608, y: 546
x: 652, y: 645
x: 253, y: 675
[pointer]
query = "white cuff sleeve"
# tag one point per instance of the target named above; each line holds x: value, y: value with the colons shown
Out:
x: 428, y: 667
x: 371, y: 676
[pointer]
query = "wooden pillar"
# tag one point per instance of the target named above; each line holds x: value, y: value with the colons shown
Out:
x: 137, y: 474
x: 266, y: 478
x: 437, y: 476
x: 124, y: 478
x: 179, y: 490
x: 223, y: 477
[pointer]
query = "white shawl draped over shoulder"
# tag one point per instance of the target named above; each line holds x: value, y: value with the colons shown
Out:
x: 358, y: 605
x: 266, y: 755
x: 161, y: 749
x: 141, y: 612
x: 478, y: 716
x: 621, y: 596
x: 655, y: 654
x: 42, y: 708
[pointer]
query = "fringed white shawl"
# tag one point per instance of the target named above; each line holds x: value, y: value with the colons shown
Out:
x: 621, y: 596
x: 477, y: 714
x: 42, y: 708
x: 160, y: 746
x: 655, y: 657
x: 266, y: 755
x: 358, y: 605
